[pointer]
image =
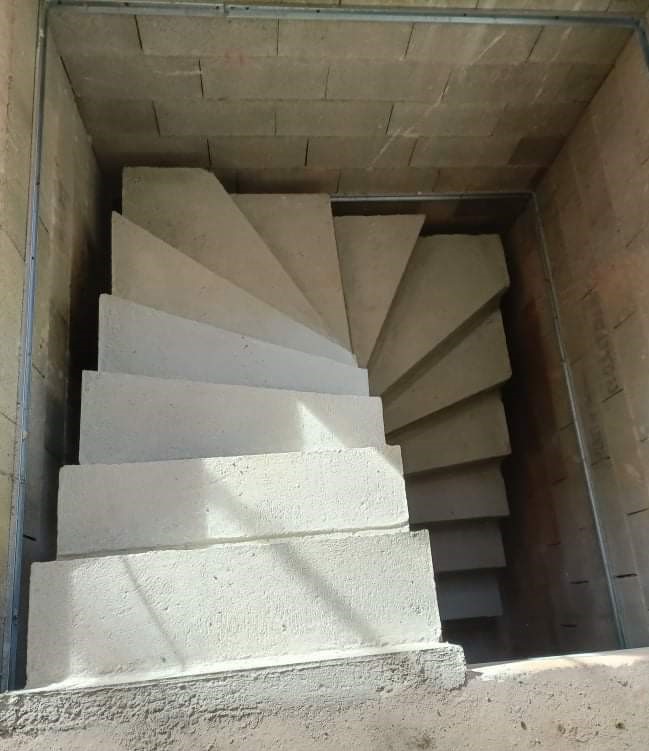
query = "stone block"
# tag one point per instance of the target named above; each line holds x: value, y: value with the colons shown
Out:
x: 11, y: 296
x: 143, y: 341
x: 467, y: 492
x: 579, y: 44
x: 469, y: 594
x: 387, y: 180
x: 469, y: 44
x: 638, y: 526
x: 466, y: 545
x: 631, y: 342
x: 284, y: 221
x: 183, y: 612
x: 386, y: 81
x: 206, y: 117
x: 263, y: 78
x: 117, y: 151
x: 128, y: 117
x: 329, y: 118
x: 93, y: 33
x: 416, y: 119
x: 171, y: 504
x: 464, y: 151
x: 338, y: 41
x: 545, y: 119
x: 128, y: 418
x: 475, y: 430
x: 148, y: 271
x: 538, y: 151
x: 233, y: 39
x: 633, y: 611
x: 373, y: 254
x: 463, y: 274
x: 355, y: 153
x: 7, y: 444
x: 471, y: 363
x: 510, y: 177
x: 212, y: 230
x: 288, y: 180
x: 134, y: 76
x: 266, y: 152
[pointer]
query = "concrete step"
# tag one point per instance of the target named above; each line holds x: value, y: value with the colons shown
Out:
x: 449, y: 279
x: 469, y: 594
x: 127, y: 418
x: 466, y: 492
x: 466, y: 545
x: 189, y: 209
x: 374, y: 251
x: 471, y: 431
x: 476, y: 361
x: 299, y: 230
x: 147, y: 270
x: 181, y: 612
x: 165, y: 504
x: 144, y: 341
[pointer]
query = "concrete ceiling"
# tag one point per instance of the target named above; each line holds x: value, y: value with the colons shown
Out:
x: 349, y: 107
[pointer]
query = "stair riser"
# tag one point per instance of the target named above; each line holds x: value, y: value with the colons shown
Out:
x: 148, y: 271
x: 133, y: 418
x: 164, y: 504
x: 463, y: 546
x: 179, y: 612
x: 469, y: 594
x: 143, y: 341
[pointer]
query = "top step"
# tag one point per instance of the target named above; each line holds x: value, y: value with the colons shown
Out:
x: 190, y: 210
x: 299, y: 230
x: 148, y: 271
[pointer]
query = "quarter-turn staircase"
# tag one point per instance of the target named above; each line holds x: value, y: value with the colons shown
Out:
x: 236, y: 502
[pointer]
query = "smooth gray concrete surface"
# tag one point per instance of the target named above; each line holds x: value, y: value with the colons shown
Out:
x: 469, y: 594
x: 449, y: 279
x: 466, y: 545
x: 143, y: 341
x: 149, y: 271
x: 128, y: 418
x: 212, y: 230
x: 373, y: 251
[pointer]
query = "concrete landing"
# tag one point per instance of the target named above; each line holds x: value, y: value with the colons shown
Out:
x: 299, y: 229
x: 476, y: 362
x: 147, y: 270
x: 472, y: 431
x: 165, y: 504
x: 128, y: 418
x: 449, y: 279
x: 143, y: 341
x: 374, y: 251
x: 190, y: 210
x: 183, y: 612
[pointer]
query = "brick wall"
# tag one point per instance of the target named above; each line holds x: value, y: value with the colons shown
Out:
x: 68, y: 257
x: 594, y: 205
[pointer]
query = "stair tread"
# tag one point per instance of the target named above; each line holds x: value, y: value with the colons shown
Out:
x: 173, y: 503
x: 475, y: 362
x: 449, y: 279
x: 374, y: 252
x: 151, y: 272
x: 299, y: 230
x: 189, y: 209
x: 174, y: 612
x: 126, y: 418
x: 141, y: 340
x: 471, y: 431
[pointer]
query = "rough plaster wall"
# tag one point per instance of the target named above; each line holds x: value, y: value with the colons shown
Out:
x: 65, y: 301
x: 594, y: 204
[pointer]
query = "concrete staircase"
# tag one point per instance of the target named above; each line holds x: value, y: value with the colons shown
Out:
x: 236, y: 503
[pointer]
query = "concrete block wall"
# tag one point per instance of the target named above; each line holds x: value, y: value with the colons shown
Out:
x: 594, y: 206
x: 67, y: 258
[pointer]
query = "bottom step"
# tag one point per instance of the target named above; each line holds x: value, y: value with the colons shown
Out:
x: 182, y: 612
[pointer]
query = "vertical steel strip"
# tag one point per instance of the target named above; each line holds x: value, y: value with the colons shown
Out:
x: 584, y: 453
x: 14, y: 572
